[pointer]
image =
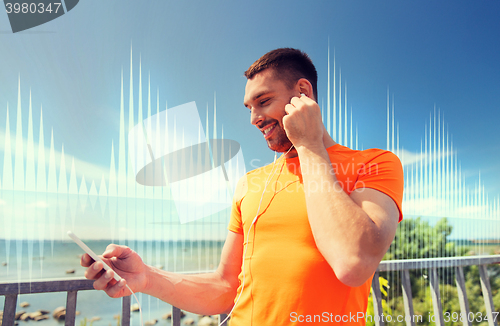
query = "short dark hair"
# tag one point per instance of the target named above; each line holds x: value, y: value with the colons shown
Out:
x: 289, y: 65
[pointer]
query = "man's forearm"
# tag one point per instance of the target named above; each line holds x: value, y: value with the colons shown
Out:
x: 344, y: 233
x: 206, y: 294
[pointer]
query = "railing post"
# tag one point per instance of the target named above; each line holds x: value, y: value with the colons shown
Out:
x: 176, y: 316
x: 126, y: 310
x: 69, y: 319
x: 407, y: 297
x: 462, y: 294
x: 9, y: 309
x: 377, y: 300
x: 223, y: 317
x: 488, y: 299
x: 436, y: 297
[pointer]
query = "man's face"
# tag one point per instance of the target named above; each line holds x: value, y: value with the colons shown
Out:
x: 266, y: 98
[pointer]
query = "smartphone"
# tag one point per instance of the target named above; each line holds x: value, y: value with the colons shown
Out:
x: 91, y: 253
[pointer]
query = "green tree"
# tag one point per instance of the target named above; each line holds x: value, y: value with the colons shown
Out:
x: 416, y: 238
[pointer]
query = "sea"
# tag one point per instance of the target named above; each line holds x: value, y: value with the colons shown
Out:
x: 36, y: 260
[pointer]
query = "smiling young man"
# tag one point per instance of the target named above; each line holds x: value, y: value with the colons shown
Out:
x: 306, y: 233
x: 327, y: 216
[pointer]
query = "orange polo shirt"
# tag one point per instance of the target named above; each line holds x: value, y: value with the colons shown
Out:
x: 287, y: 280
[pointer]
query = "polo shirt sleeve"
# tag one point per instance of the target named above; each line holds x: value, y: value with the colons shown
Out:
x: 235, y: 224
x: 235, y: 220
x: 383, y: 173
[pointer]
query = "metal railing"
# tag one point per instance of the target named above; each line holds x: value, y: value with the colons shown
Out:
x: 433, y: 264
x: 12, y: 290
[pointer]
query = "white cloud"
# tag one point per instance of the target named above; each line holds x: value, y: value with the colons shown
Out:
x: 90, y: 170
x: 408, y: 158
x: 440, y: 207
x: 38, y: 204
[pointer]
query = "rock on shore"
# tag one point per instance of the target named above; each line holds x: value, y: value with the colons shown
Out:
x: 189, y: 321
x: 207, y: 321
x: 168, y: 315
x: 59, y: 313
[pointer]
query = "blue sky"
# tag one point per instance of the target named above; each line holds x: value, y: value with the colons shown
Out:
x: 441, y: 54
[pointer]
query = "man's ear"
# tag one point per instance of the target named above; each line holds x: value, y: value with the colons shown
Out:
x: 303, y: 86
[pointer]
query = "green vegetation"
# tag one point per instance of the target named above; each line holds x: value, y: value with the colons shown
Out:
x: 416, y: 238
x: 85, y: 322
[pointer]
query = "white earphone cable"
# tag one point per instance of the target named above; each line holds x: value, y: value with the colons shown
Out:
x: 268, y: 181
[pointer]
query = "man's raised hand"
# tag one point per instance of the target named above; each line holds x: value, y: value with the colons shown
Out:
x: 302, y: 123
